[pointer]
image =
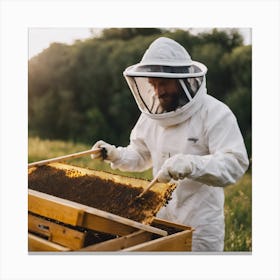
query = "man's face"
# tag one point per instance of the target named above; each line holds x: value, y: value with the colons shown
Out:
x: 168, y: 92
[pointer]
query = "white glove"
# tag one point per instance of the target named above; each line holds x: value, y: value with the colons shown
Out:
x: 109, y: 152
x: 177, y: 167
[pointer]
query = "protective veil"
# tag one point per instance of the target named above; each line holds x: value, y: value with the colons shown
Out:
x: 165, y: 59
x: 201, y: 129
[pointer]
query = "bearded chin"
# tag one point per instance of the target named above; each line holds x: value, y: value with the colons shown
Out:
x: 170, y: 104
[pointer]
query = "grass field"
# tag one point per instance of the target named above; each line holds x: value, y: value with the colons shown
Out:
x: 238, y: 197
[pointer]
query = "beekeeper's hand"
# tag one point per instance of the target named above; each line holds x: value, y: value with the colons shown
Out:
x: 177, y: 167
x: 107, y: 151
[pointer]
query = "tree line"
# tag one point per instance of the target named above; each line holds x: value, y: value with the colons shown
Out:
x: 77, y: 92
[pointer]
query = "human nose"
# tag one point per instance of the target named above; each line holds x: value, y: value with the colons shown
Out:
x: 159, y: 90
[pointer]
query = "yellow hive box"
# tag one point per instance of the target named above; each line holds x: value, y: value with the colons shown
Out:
x: 72, y: 208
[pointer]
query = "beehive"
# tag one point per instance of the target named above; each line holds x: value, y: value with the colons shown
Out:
x: 73, y: 208
x: 102, y: 190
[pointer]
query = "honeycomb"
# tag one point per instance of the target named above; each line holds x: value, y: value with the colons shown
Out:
x: 102, y: 190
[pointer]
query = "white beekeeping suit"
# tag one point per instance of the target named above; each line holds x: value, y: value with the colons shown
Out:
x: 197, y: 143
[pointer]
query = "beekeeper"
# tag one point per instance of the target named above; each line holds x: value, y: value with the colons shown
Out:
x: 185, y: 135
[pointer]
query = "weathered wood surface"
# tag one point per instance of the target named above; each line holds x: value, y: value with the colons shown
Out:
x: 76, y: 214
x: 181, y: 241
x: 38, y: 244
x: 138, y: 241
x: 56, y: 233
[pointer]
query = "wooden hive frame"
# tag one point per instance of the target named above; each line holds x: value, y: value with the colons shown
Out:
x: 109, y: 192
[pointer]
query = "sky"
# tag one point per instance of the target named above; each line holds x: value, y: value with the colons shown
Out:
x: 41, y: 38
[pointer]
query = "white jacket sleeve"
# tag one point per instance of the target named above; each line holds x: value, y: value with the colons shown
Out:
x: 227, y: 160
x: 136, y: 156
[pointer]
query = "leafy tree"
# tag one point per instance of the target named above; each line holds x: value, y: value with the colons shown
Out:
x: 229, y: 39
x: 128, y: 33
x: 240, y: 96
x: 240, y: 103
x: 218, y: 76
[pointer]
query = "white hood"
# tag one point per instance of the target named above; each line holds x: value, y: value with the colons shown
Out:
x: 167, y: 59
